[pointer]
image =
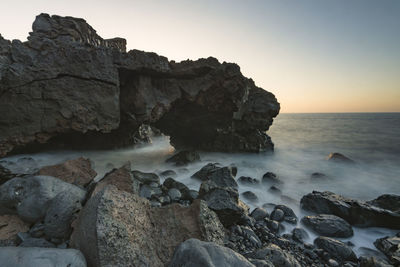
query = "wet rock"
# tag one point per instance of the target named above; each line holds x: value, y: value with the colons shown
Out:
x: 168, y: 173
x: 272, y: 225
x: 333, y: 263
x: 39, y: 257
x: 337, y: 157
x: 185, y: 192
x: 271, y: 178
x: 248, y: 180
x: 250, y: 196
x: 369, y: 261
x: 390, y: 246
x: 328, y: 225
x: 183, y: 158
x: 147, y: 191
x: 275, y: 190
x: 336, y: 249
x: 193, y: 194
x: 259, y: 214
x: 261, y: 263
x: 174, y: 194
x: 37, y: 230
x: 205, y: 171
x: 31, y: 197
x: 76, y: 171
x: 318, y: 175
x: 146, y: 178
x: 299, y: 234
x: 123, y: 227
x: 354, y: 212
x: 388, y: 202
x: 10, y: 226
x: 21, y: 167
x: 276, y: 256
x: 5, y: 175
x: 277, y: 215
x: 197, y: 253
x: 37, y: 242
x: 289, y: 215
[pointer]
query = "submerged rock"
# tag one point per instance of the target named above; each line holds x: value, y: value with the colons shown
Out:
x: 328, y: 225
x: 196, y: 253
x: 337, y: 157
x: 205, y: 171
x: 250, y: 196
x: 122, y: 227
x: 248, y: 180
x: 354, y: 212
x: 271, y: 178
x: 183, y: 158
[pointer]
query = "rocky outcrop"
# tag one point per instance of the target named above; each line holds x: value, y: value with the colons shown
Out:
x: 117, y: 228
x: 67, y: 85
x: 353, y: 211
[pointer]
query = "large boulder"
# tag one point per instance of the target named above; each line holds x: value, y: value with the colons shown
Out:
x: 31, y: 197
x: 388, y: 202
x: 75, y: 171
x: 196, y: 253
x: 10, y: 226
x: 353, y: 211
x: 67, y: 86
x: 39, y: 257
x: 336, y: 249
x: 390, y: 246
x: 328, y: 225
x: 117, y: 228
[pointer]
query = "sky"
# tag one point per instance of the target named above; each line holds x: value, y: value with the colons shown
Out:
x: 314, y: 55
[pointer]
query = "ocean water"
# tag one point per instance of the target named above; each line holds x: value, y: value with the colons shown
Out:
x: 302, y: 143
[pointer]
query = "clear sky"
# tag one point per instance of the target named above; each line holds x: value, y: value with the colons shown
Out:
x: 314, y: 55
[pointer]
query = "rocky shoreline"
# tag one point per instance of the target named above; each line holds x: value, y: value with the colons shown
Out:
x: 61, y: 215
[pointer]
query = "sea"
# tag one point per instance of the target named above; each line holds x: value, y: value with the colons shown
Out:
x: 302, y: 145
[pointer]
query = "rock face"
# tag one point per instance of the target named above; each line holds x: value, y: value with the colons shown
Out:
x: 67, y: 85
x: 117, y: 228
x: 354, y: 212
x: 39, y: 257
x: 196, y: 253
x: 328, y: 225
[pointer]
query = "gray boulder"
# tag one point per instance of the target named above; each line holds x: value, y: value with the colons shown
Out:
x: 40, y: 257
x: 196, y: 253
x: 390, y: 246
x: 146, y: 178
x: 259, y: 214
x: 328, y: 225
x: 336, y: 249
x: 205, y: 171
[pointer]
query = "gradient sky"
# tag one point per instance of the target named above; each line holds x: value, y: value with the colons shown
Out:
x: 314, y: 55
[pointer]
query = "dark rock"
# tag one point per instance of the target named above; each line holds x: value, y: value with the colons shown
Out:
x: 259, y: 214
x: 22, y: 166
x: 10, y: 226
x: 261, y: 263
x: 146, y: 191
x: 354, y: 212
x: 31, y: 197
x: 39, y: 257
x: 250, y: 196
x: 388, y: 202
x: 183, y: 158
x: 276, y: 256
x: 289, y: 215
x: 275, y: 190
x: 222, y: 177
x: 185, y: 192
x: 37, y: 230
x: 337, y: 157
x: 328, y: 225
x: 390, y: 246
x: 146, y: 178
x: 336, y: 249
x: 5, y: 175
x: 174, y: 194
x: 333, y: 263
x: 271, y: 178
x: 37, y: 242
x: 205, y: 171
x: 193, y: 194
x: 168, y: 173
x: 248, y: 180
x: 123, y: 227
x: 318, y: 175
x: 369, y: 261
x: 197, y: 253
x: 299, y: 234
x: 277, y: 215
x: 272, y: 225
x: 76, y: 171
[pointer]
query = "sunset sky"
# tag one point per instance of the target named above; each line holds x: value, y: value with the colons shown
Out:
x: 314, y: 55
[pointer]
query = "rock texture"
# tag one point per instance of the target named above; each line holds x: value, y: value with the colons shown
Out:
x: 67, y: 85
x: 117, y: 228
x: 390, y: 246
x: 328, y: 225
x: 10, y: 226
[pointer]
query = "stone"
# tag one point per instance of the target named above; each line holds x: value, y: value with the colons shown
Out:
x: 289, y: 215
x: 276, y: 256
x: 196, y: 253
x: 337, y: 157
x: 174, y: 194
x: 31, y: 197
x: 336, y: 249
x: 275, y: 190
x: 333, y: 263
x: 328, y: 225
x: 299, y: 235
x: 271, y: 178
x: 184, y: 158
x: 115, y: 228
x: 185, y: 192
x: 39, y: 257
x: 5, y: 174
x: 261, y: 263
x: 277, y: 215
x: 10, y: 226
x: 37, y: 242
x: 318, y: 175
x: 205, y: 171
x: 387, y: 201
x: 75, y: 171
x: 369, y: 261
x: 250, y: 196
x: 146, y: 178
x: 259, y: 214
x: 168, y: 173
x: 37, y: 230
x: 248, y: 180
x: 390, y: 246
x: 355, y: 212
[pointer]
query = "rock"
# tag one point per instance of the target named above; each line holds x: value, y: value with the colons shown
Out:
x: 275, y: 190
x: 333, y: 263
x: 10, y: 226
x: 248, y: 180
x: 170, y: 183
x: 37, y: 230
x: 276, y: 256
x: 299, y: 234
x: 354, y: 212
x: 336, y: 249
x: 328, y: 225
x: 205, y: 171
x: 39, y: 257
x: 37, y: 242
x: 183, y: 158
x: 5, y: 175
x: 146, y: 178
x: 289, y: 215
x: 76, y: 171
x: 390, y: 246
x: 31, y: 197
x: 366, y: 261
x: 62, y: 211
x: 122, y: 178
x: 277, y: 215
x: 196, y: 253
x: 387, y: 201
x: 21, y: 167
x: 259, y: 214
x: 318, y: 175
x: 337, y: 157
x: 222, y: 177
x: 174, y: 194
x: 168, y: 173
x: 250, y: 196
x: 123, y: 228
x: 261, y: 263
x: 271, y: 178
